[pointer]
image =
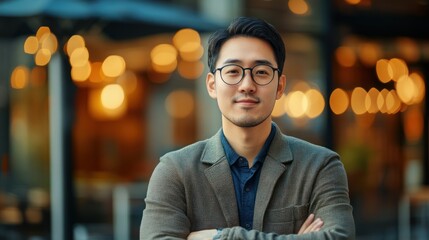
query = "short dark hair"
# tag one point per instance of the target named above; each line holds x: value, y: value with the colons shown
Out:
x: 250, y: 27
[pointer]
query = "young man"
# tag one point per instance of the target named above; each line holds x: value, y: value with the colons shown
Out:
x: 248, y: 181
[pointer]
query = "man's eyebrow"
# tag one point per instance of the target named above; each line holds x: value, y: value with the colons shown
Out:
x: 266, y: 62
x: 256, y: 62
x: 231, y: 60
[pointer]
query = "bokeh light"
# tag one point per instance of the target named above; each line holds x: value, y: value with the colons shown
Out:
x: 353, y: 2
x: 81, y: 73
x: 20, y: 77
x: 297, y: 104
x: 113, y: 66
x: 188, y: 42
x: 79, y: 57
x: 164, y: 58
x: 190, y: 70
x: 299, y: 7
x: 381, y: 100
x: 420, y: 87
x: 49, y: 41
x: 339, y: 101
x: 392, y: 102
x: 384, y: 70
x: 371, y: 101
x: 406, y: 89
x: 112, y: 96
x: 358, y: 101
x: 369, y: 53
x: 31, y: 45
x: 316, y: 103
x: 42, y: 57
x: 180, y: 103
x: 74, y: 42
x: 345, y: 56
x: 399, y: 68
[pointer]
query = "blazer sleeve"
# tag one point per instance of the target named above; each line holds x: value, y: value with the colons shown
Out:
x: 329, y: 201
x: 164, y: 216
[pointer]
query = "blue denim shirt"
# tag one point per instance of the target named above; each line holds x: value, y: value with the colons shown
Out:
x: 246, y: 179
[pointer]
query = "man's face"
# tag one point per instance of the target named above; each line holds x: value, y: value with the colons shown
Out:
x: 245, y: 104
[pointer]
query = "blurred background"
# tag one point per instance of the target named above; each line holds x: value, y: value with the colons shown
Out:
x: 93, y: 92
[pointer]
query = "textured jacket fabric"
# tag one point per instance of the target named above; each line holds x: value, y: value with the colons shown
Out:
x: 191, y: 189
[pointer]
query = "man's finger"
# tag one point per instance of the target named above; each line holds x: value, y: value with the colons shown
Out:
x: 306, y: 224
x: 314, y: 226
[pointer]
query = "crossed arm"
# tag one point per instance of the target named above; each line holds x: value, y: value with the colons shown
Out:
x: 310, y: 225
x: 167, y: 213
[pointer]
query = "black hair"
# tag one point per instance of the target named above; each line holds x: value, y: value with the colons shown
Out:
x: 250, y: 27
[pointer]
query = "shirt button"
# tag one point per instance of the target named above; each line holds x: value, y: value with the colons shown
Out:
x: 247, y: 189
x: 248, y: 226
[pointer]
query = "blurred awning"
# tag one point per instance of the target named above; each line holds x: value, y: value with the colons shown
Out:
x: 117, y: 19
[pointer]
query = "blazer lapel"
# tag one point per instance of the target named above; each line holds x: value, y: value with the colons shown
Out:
x: 270, y: 173
x: 219, y: 176
x: 274, y: 166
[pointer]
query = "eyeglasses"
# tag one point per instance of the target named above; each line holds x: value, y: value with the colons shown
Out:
x: 232, y: 74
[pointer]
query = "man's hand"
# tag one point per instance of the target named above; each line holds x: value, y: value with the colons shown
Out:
x: 311, y: 225
x: 202, y: 235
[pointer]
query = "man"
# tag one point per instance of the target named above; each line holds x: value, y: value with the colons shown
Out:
x: 248, y: 181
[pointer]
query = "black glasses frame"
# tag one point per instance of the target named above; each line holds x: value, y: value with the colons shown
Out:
x: 244, y: 73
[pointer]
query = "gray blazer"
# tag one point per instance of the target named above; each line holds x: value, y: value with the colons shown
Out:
x: 191, y: 189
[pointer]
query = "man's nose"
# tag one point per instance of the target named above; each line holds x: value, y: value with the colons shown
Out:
x: 247, y: 84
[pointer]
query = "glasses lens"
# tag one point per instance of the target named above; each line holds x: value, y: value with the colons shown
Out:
x: 231, y: 74
x: 262, y: 74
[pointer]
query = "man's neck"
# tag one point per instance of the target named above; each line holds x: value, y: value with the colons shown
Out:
x: 247, y: 142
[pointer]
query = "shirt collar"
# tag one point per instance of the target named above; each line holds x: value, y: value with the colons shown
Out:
x: 232, y: 156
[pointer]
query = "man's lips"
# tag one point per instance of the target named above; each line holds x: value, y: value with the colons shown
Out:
x: 247, y: 100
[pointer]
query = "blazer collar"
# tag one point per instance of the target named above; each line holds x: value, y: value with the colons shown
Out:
x: 278, y: 151
x: 219, y: 176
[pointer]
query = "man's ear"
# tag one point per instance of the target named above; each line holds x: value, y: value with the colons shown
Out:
x: 211, y: 85
x: 281, y: 87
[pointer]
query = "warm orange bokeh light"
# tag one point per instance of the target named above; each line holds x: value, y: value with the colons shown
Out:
x: 20, y: 77
x: 339, y: 101
x: 371, y: 100
x: 381, y: 100
x: 75, y: 41
x: 42, y: 31
x: 369, y: 53
x: 353, y: 2
x: 345, y: 56
x: 299, y: 7
x: 42, y: 58
x: 399, y: 68
x: 384, y: 70
x: 112, y: 96
x: 190, y: 70
x: 184, y: 36
x: 81, y: 73
x: 297, y: 104
x: 180, y: 103
x: 113, y: 66
x: 358, y: 101
x: 316, y: 103
x: 164, y: 58
x: 49, y: 41
x: 31, y: 45
x: 79, y: 57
